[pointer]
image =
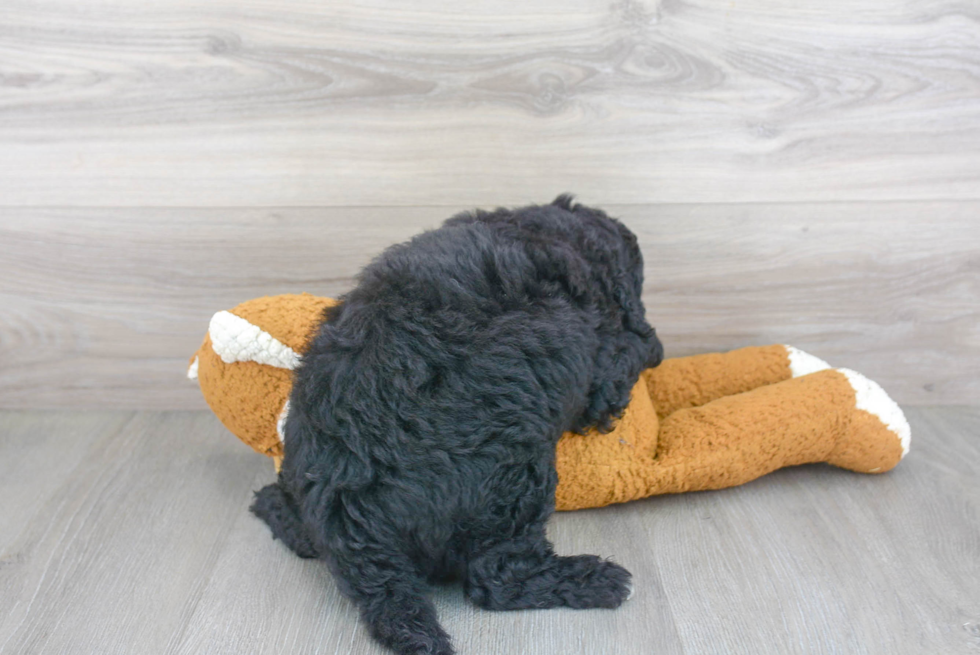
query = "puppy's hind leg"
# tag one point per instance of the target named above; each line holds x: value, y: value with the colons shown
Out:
x: 274, y: 506
x: 525, y: 573
x: 391, y: 598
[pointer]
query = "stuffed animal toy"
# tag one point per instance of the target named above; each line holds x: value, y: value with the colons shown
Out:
x: 700, y: 422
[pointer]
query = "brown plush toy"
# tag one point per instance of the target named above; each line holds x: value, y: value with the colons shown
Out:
x: 700, y: 422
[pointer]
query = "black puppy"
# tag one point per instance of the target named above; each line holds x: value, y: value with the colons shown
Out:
x: 420, y: 443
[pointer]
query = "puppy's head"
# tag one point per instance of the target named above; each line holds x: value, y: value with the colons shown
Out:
x: 620, y: 276
x: 590, y: 255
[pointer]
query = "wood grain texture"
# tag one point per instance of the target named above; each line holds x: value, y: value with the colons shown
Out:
x: 135, y: 537
x: 117, y: 551
x: 103, y: 307
x: 54, y: 443
x: 251, y: 103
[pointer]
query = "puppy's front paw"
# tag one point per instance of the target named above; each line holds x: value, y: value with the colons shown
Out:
x: 616, y: 585
x: 595, y: 582
x: 439, y: 647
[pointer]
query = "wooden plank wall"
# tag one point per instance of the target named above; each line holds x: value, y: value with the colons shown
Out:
x: 800, y: 172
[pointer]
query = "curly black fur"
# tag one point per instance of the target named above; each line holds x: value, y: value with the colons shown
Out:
x: 421, y: 438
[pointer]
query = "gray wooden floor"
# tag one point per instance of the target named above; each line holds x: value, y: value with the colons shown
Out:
x: 128, y: 532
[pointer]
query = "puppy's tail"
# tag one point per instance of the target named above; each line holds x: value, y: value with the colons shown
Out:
x: 274, y: 506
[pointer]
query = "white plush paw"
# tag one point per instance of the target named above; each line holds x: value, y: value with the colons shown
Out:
x: 803, y: 363
x: 869, y: 396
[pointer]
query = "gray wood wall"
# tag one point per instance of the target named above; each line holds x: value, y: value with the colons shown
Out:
x: 796, y: 172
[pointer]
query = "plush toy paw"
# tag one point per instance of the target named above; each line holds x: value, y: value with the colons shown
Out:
x: 878, y: 436
x: 803, y: 363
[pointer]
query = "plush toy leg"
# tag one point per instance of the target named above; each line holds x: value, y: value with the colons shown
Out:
x: 835, y: 416
x: 683, y: 382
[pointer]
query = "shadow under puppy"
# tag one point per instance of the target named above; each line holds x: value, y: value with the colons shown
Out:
x: 420, y: 441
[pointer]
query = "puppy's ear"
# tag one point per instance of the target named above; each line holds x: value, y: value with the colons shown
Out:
x: 557, y: 262
x: 627, y: 340
x: 622, y: 266
x: 566, y: 201
x: 620, y: 359
x: 629, y: 287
